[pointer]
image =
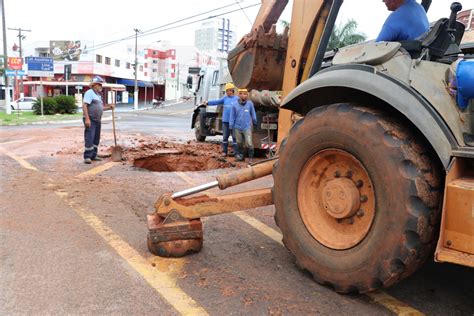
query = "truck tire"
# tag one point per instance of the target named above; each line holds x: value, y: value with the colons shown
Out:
x: 197, y: 129
x: 356, y: 197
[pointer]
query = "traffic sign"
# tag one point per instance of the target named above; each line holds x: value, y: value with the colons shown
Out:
x: 40, y: 66
x: 12, y: 73
x: 15, y: 63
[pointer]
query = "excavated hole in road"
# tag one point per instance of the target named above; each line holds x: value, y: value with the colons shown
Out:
x: 181, y: 162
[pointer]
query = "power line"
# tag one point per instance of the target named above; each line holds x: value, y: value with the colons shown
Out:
x: 185, y: 24
x: 201, y: 20
x: 102, y: 45
x: 245, y: 13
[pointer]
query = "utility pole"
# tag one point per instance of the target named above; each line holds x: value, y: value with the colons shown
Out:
x: 135, y: 91
x: 5, y: 56
x: 177, y: 81
x: 21, y: 37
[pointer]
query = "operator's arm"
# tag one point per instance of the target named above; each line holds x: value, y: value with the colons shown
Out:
x: 85, y: 110
x: 216, y: 102
x: 254, y: 115
x: 85, y: 113
x: 232, y: 117
x: 390, y: 30
x: 109, y: 106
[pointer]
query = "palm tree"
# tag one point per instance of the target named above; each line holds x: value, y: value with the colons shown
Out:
x: 284, y: 23
x: 345, y: 35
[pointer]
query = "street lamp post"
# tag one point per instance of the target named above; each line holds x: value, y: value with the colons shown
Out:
x: 135, y: 91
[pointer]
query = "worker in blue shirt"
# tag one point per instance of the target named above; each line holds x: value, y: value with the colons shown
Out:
x: 227, y: 101
x: 92, y: 109
x: 407, y: 21
x: 241, y: 118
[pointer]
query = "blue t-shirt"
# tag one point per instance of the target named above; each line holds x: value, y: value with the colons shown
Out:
x: 408, y: 22
x: 242, y: 115
x: 227, y: 102
x: 95, y: 106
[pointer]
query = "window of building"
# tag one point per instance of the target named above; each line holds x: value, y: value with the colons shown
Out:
x: 141, y: 68
x: 107, y: 60
x: 117, y: 63
x: 215, y: 76
x: 155, y: 70
x: 155, y: 61
x: 44, y: 54
x: 127, y: 65
x: 98, y: 59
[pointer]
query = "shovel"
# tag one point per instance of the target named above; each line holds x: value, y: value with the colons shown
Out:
x: 116, y: 150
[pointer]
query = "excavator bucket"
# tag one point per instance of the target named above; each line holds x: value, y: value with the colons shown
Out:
x: 258, y: 61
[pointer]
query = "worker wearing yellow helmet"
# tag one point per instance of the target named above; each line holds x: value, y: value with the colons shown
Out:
x: 242, y: 120
x: 227, y: 101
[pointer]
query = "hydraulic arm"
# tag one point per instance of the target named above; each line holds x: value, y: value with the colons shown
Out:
x: 175, y: 228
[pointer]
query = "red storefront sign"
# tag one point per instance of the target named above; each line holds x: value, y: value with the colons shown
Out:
x: 15, y: 63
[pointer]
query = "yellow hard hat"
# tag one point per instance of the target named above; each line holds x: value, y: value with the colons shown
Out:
x: 229, y: 86
x: 243, y: 90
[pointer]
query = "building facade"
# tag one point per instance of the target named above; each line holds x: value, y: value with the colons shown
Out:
x: 116, y: 66
x: 217, y: 34
x: 467, y: 18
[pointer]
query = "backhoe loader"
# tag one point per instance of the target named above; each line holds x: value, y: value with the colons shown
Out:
x: 375, y: 167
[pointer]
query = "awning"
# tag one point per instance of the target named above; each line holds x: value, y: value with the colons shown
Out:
x: 131, y: 83
x: 112, y: 86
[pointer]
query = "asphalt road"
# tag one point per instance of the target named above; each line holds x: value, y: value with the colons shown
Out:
x: 73, y: 239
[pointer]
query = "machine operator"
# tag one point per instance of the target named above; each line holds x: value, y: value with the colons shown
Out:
x: 407, y: 21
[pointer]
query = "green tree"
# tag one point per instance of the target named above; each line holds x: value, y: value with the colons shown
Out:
x: 345, y: 34
x: 284, y: 23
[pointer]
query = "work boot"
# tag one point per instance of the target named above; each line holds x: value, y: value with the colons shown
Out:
x: 96, y: 159
x: 239, y: 158
x: 224, y: 155
x: 87, y: 161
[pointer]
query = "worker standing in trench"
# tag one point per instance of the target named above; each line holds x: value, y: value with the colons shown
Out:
x: 241, y: 118
x: 227, y: 102
x: 92, y: 109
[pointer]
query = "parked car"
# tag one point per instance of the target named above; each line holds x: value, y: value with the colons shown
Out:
x: 25, y: 103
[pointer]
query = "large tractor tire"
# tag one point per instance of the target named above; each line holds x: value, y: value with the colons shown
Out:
x: 357, y: 198
x: 197, y: 129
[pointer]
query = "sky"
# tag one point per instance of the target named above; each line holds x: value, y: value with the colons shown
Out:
x: 105, y: 20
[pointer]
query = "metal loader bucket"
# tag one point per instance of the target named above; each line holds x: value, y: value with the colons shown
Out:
x: 258, y: 61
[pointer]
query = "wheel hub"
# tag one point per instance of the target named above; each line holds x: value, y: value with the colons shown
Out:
x: 341, y: 199
x: 336, y: 199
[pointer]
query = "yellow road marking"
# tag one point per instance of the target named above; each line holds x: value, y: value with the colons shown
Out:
x: 393, y: 304
x: 161, y: 281
x: 258, y: 225
x: 99, y: 169
x: 15, y: 141
x: 381, y: 298
x: 161, y: 277
x: 179, y: 112
x: 21, y: 161
x: 185, y: 177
